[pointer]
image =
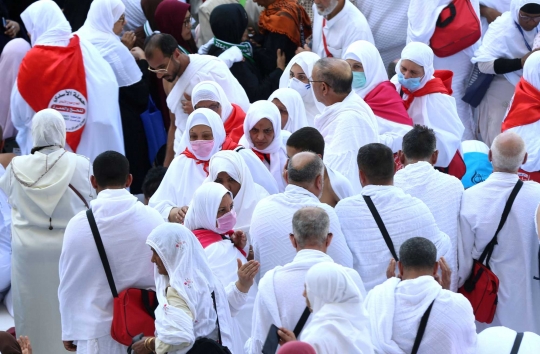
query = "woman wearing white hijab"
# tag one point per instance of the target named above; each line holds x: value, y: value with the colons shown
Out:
x: 339, y: 322
x: 203, y: 137
x: 263, y: 135
x: 296, y: 76
x: 291, y: 108
x: 505, y: 48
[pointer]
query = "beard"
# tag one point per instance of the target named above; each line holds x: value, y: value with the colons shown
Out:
x: 329, y: 9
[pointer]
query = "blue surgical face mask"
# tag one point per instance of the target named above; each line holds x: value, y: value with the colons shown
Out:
x: 359, y: 79
x: 411, y: 84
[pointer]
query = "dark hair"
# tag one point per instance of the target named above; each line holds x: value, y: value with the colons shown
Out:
x: 376, y: 161
x: 153, y: 180
x: 307, y: 139
x: 306, y: 173
x: 111, y: 169
x: 418, y: 253
x: 419, y: 143
x: 162, y: 41
x: 339, y: 81
x: 531, y: 8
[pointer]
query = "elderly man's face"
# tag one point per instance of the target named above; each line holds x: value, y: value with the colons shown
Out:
x: 325, y: 7
x: 317, y: 85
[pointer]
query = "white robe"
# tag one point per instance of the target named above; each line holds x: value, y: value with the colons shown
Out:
x: 404, y: 217
x: 86, y: 302
x: 515, y: 257
x: 340, y: 185
x: 396, y: 307
x: 35, y: 248
x: 271, y: 225
x: 346, y: 127
x: 501, y: 340
x: 5, y: 240
x: 442, y: 195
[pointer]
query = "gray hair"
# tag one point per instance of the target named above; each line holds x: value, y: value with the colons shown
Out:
x: 310, y: 226
x: 330, y: 72
x: 507, y: 152
x: 418, y: 253
x: 307, y: 172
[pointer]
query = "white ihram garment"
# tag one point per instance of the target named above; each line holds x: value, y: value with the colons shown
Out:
x: 501, y: 340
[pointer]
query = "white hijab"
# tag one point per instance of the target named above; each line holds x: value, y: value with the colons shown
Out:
x: 421, y: 54
x: 48, y: 128
x: 211, y: 91
x: 295, y: 108
x: 204, y: 116
x: 339, y: 322
x: 367, y: 54
x: 202, y: 212
x: 250, y: 193
x: 98, y: 30
x: 46, y: 24
x: 277, y: 148
x: 531, y: 70
x: 423, y: 16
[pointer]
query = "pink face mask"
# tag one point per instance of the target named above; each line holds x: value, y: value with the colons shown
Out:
x: 226, y: 222
x: 202, y: 148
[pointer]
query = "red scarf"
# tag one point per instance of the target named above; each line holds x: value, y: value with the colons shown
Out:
x: 54, y: 77
x: 456, y: 168
x: 208, y: 237
x: 263, y: 157
x: 234, y: 125
x: 228, y: 144
x: 525, y: 107
x: 386, y: 103
x: 442, y: 83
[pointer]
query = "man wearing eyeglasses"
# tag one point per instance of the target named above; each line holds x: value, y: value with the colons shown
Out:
x: 181, y: 73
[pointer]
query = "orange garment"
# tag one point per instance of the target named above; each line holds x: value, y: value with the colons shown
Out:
x: 285, y: 17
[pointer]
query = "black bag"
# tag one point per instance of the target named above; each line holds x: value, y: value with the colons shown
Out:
x: 421, y: 329
x: 381, y: 226
x: 272, y: 339
x: 478, y: 85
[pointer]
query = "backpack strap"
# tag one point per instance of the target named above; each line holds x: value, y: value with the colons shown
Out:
x: 517, y: 343
x: 301, y: 322
x: 421, y: 329
x: 381, y: 226
x: 79, y: 195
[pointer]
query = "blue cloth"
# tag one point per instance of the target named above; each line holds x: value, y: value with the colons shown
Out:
x: 154, y: 128
x: 478, y: 168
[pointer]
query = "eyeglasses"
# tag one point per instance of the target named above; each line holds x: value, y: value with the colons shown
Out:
x: 187, y: 22
x: 528, y: 18
x: 311, y: 81
x: 214, y: 107
x: 160, y: 71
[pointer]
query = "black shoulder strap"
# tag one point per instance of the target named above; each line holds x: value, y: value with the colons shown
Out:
x: 517, y: 343
x: 421, y: 329
x: 101, y: 250
x: 301, y: 322
x: 486, y: 255
x: 217, y: 317
x: 381, y: 226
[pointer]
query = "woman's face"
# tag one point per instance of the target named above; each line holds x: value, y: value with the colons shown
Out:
x: 410, y: 69
x: 299, y: 74
x: 119, y: 25
x: 282, y: 111
x: 228, y: 182
x: 355, y: 65
x: 213, y: 105
x: 186, y: 27
x: 225, y: 206
x: 262, y: 134
x: 528, y: 21
x: 200, y: 132
x: 159, y: 263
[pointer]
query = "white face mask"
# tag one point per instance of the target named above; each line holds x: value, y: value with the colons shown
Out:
x: 299, y: 86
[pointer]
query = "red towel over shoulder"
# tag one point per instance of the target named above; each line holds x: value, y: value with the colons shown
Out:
x: 525, y: 107
x: 385, y: 102
x: 441, y: 83
x: 234, y: 125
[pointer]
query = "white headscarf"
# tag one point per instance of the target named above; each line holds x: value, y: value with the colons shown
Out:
x: 295, y: 107
x: 202, y: 212
x: 250, y: 193
x: 46, y: 24
x: 531, y: 70
x: 277, y: 148
x: 367, y: 54
x: 211, y: 91
x: 421, y: 54
x: 423, y: 16
x: 98, y: 30
x: 48, y: 128
x: 204, y: 116
x: 339, y: 319
x: 501, y: 340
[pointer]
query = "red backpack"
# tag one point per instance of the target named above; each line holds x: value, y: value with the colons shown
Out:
x: 457, y: 28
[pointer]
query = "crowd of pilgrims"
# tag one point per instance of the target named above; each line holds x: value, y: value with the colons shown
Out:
x: 290, y: 176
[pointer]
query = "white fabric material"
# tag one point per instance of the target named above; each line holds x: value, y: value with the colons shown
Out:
x: 204, y: 206
x: 271, y: 225
x: 35, y: 248
x: 404, y: 217
x: 86, y: 304
x: 340, y: 322
x: 98, y: 30
x: 295, y: 108
x: 5, y: 239
x: 500, y: 5
x: 348, y: 26
x: 396, y: 307
x: 277, y: 148
x: 442, y: 195
x: 101, y: 345
x: 347, y: 126
x: 250, y: 193
x: 48, y: 129
x: 134, y: 14
x: 340, y: 185
x: 436, y: 110
x: 423, y: 16
x: 202, y: 68
x: 191, y: 277
x: 103, y: 130
x: 211, y: 91
x: 515, y: 257
x: 261, y: 175
x: 185, y: 175
x: 501, y: 340
x: 306, y: 60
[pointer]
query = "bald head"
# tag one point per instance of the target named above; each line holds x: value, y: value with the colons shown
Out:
x: 336, y: 73
x: 507, y: 152
x: 304, y: 169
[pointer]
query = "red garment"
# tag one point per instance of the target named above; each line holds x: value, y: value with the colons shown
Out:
x: 529, y: 176
x: 169, y: 16
x: 263, y: 157
x: 525, y: 107
x: 208, y: 237
x: 234, y: 125
x: 228, y: 144
x: 456, y: 168
x: 385, y: 102
x: 54, y: 77
x: 442, y: 83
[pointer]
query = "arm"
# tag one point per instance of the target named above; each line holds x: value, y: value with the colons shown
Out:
x: 169, y: 155
x: 489, y: 13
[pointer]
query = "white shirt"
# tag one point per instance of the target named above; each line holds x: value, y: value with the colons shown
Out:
x: 5, y: 239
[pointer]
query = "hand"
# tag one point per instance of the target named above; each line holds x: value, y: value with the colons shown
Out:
x: 246, y: 274
x: 178, y: 214
x: 281, y: 60
x: 139, y: 348
x: 524, y: 59
x: 446, y: 272
x: 12, y: 28
x: 138, y: 53
x: 26, y: 347
x: 69, y: 346
x: 239, y: 239
x: 187, y: 106
x: 128, y: 39
x: 306, y: 48
x: 251, y: 255
x: 391, y: 270
x: 285, y: 336
x: 489, y: 13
